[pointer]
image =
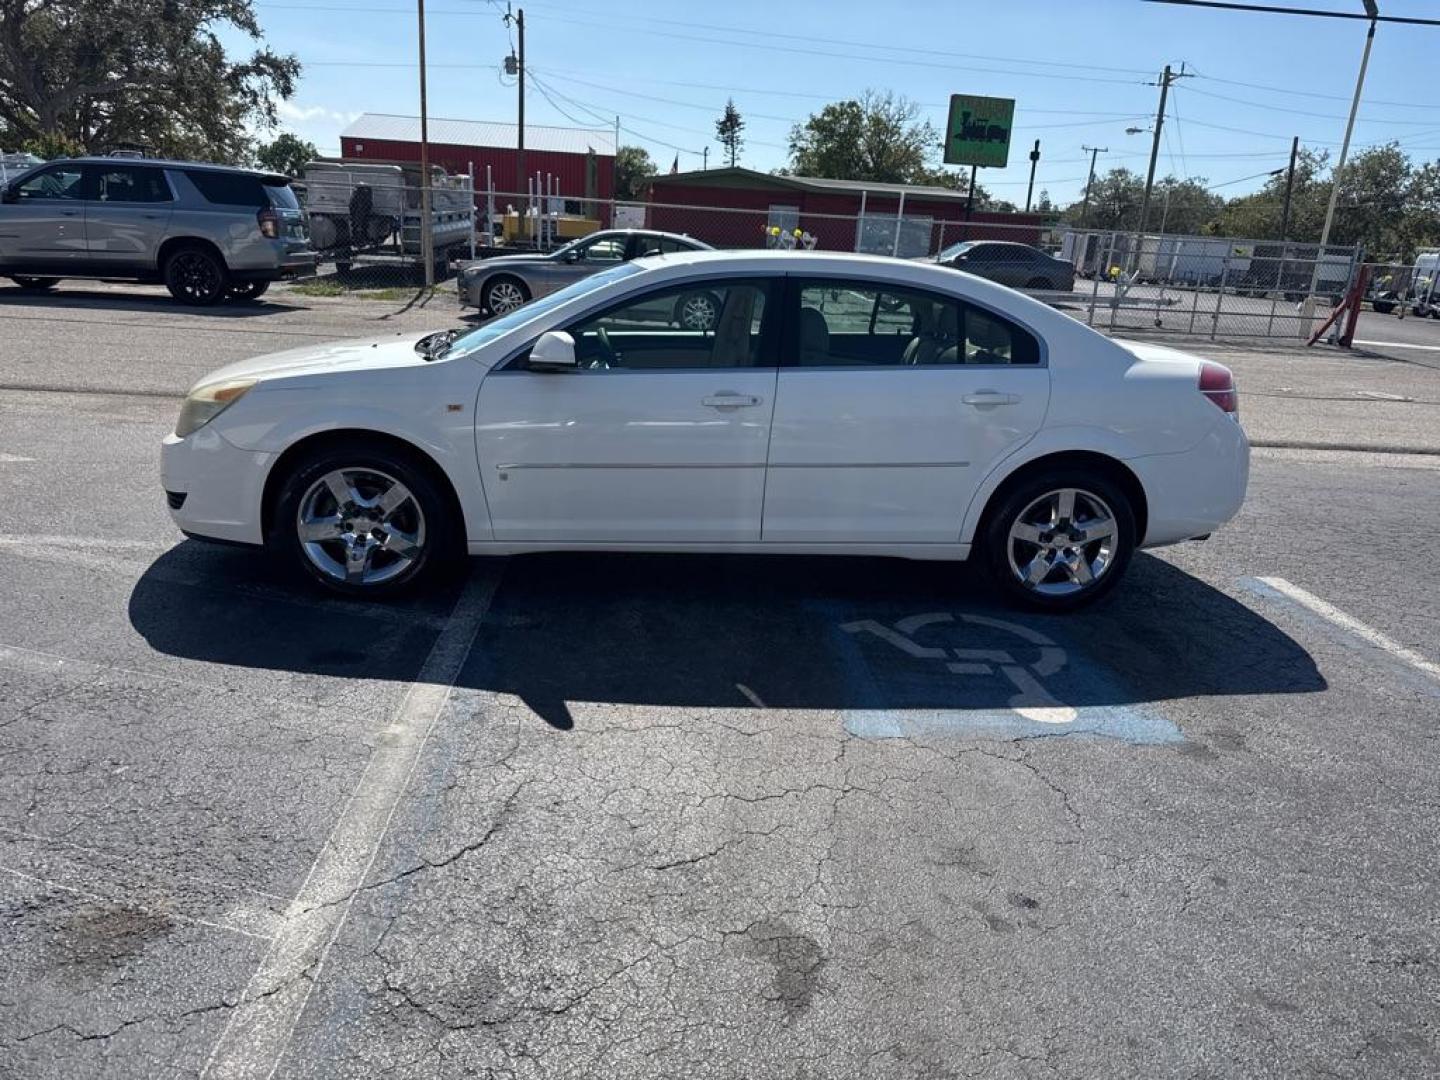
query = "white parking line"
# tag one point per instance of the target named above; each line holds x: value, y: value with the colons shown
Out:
x: 1399, y: 345
x: 1366, y: 633
x: 263, y: 1021
x: 14, y: 459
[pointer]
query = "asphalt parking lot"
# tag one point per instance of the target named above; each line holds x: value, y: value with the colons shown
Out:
x: 623, y: 816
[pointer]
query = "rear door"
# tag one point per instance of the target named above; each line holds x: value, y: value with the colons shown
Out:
x: 44, y: 228
x: 891, y: 404
x: 127, y: 215
x: 660, y: 436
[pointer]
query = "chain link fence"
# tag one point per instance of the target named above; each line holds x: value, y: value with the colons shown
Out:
x: 367, y: 230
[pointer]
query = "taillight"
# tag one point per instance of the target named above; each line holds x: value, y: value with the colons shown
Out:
x: 269, y: 223
x: 1218, y: 384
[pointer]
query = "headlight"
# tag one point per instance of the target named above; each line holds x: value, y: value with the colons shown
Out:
x: 204, y: 403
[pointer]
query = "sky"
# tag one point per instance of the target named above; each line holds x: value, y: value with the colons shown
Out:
x: 1080, y: 71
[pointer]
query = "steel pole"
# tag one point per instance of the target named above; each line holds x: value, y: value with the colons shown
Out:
x: 427, y: 241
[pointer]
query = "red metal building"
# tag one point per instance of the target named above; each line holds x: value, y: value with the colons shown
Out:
x: 582, y: 160
x: 830, y: 210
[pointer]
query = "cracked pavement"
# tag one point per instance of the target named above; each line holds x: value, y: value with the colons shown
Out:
x: 674, y: 820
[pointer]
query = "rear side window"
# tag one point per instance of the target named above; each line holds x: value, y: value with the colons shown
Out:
x: 130, y: 183
x: 281, y: 196
x: 862, y: 324
x: 229, y: 189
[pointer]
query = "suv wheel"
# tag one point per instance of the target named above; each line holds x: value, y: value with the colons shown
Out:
x: 363, y: 521
x: 36, y: 284
x: 247, y: 290
x: 1060, y: 540
x: 196, y: 276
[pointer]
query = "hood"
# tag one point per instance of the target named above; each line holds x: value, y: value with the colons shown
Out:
x: 398, y: 350
x: 484, y: 265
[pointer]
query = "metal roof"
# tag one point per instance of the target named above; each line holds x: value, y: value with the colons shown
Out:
x: 482, y: 133
x: 808, y: 183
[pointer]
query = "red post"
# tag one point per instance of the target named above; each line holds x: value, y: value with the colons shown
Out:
x: 1357, y: 296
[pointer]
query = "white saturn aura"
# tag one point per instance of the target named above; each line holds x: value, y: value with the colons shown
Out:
x: 839, y: 405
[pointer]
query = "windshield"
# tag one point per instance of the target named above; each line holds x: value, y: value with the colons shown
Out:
x: 483, y: 335
x: 955, y: 249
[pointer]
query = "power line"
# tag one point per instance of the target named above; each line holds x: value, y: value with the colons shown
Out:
x: 1306, y: 112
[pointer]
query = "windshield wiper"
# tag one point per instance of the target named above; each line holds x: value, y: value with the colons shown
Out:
x: 436, y: 345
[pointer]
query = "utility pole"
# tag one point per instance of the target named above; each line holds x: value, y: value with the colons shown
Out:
x: 1034, y: 160
x: 1165, y: 80
x: 705, y: 158
x: 518, y: 21
x: 1289, y: 190
x: 1339, y: 174
x: 1085, y: 206
x: 427, y: 239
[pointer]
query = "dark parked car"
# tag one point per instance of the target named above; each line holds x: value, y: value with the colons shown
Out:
x: 209, y: 232
x: 1018, y: 265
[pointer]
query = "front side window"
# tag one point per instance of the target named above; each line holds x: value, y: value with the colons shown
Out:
x: 608, y: 250
x: 862, y: 324
x: 702, y: 326
x: 62, y: 182
x: 127, y: 183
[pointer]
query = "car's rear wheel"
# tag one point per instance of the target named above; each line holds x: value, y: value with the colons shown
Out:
x: 1060, y: 540
x: 195, y: 275
x: 36, y: 284
x: 364, y: 521
x: 503, y: 295
x: 246, y: 290
x: 1039, y: 283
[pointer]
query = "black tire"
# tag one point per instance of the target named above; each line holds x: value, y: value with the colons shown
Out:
x: 1039, y: 283
x: 246, y: 290
x: 996, y: 542
x: 503, y: 283
x: 688, y: 307
x: 1382, y: 307
x: 36, y: 284
x: 196, y: 275
x: 439, y: 529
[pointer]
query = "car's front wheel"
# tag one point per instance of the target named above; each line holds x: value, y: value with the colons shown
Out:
x: 503, y: 295
x: 1060, y: 540
x: 36, y: 284
x: 196, y: 275
x: 363, y: 521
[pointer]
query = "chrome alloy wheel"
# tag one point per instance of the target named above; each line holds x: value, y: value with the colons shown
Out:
x: 1062, y: 543
x: 360, y: 526
x: 505, y: 297
x: 698, y: 313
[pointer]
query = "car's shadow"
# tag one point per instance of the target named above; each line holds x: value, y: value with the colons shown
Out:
x: 145, y: 300
x: 878, y: 637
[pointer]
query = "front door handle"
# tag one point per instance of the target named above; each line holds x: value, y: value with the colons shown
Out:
x: 69, y: 213
x: 988, y: 399
x: 727, y: 399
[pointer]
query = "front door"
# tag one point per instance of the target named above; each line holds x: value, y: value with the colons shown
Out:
x: 126, y: 218
x: 43, y: 229
x: 891, y: 406
x: 585, y: 258
x: 659, y: 437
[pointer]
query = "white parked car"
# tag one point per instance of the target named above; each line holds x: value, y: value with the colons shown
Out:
x: 842, y: 405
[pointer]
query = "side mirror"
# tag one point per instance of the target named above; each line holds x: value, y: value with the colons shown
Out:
x: 9, y: 194
x: 554, y: 351
x: 571, y: 256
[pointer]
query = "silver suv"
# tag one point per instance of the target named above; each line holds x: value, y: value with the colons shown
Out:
x: 208, y: 232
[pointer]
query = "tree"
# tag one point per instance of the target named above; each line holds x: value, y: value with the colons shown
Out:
x: 96, y: 74
x: 728, y: 130
x: 879, y: 137
x: 1114, y: 202
x: 287, y: 154
x: 633, y: 168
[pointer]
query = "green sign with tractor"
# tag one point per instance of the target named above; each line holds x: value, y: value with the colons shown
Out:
x: 978, y: 131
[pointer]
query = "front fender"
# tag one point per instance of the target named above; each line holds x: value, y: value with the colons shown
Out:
x: 270, y: 421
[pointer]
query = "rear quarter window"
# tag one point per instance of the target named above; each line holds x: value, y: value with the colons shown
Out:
x: 229, y: 189
x: 282, y: 196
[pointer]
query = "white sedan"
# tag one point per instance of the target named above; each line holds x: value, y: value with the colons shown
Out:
x: 841, y: 405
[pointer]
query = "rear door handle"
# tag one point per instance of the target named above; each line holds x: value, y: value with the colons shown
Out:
x: 729, y: 400
x: 984, y: 399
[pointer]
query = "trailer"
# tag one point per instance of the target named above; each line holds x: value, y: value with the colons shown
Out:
x: 367, y: 208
